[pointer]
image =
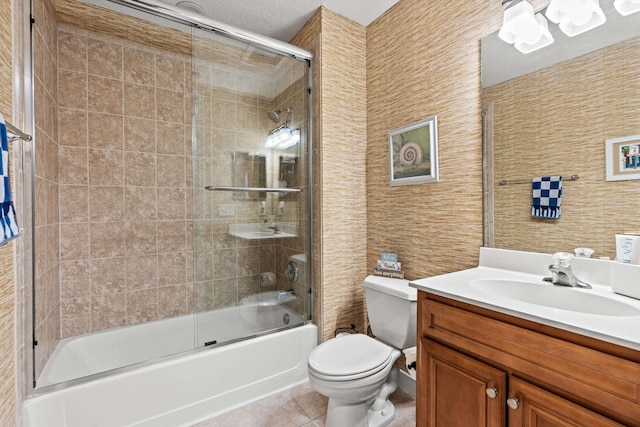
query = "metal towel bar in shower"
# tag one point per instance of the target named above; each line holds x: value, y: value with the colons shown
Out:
x: 13, y: 133
x: 254, y: 189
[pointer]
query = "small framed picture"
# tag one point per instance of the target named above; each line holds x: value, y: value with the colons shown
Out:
x: 623, y: 158
x: 413, y: 153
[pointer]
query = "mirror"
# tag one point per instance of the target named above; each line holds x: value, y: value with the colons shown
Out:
x: 250, y: 170
x: 549, y: 113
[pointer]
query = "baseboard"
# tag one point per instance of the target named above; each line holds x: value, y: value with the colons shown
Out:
x: 406, y: 383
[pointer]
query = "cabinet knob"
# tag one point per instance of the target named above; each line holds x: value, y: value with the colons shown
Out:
x: 513, y: 403
x: 492, y: 392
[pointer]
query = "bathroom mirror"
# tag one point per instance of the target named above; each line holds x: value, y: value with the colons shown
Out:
x: 549, y: 113
x: 250, y: 170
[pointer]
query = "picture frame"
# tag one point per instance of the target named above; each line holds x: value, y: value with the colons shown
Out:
x: 622, y: 158
x: 413, y: 153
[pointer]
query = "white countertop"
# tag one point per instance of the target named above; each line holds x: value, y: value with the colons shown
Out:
x: 500, y: 264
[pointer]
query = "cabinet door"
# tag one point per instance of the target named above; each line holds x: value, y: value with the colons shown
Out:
x: 530, y: 406
x: 458, y: 391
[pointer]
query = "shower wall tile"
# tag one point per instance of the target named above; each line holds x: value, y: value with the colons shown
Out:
x: 172, y: 171
x: 140, y: 203
x: 108, y: 311
x: 139, y: 101
x: 225, y: 292
x: 106, y: 167
x: 170, y: 138
x: 141, y: 238
x: 170, y: 106
x: 140, y: 168
x: 107, y: 239
x: 106, y: 203
x: 76, y: 206
x: 170, y: 73
x: 104, y: 95
x: 142, y: 306
x: 72, y: 127
x: 107, y: 275
x: 73, y: 165
x: 139, y: 135
x: 105, y: 131
x: 72, y: 90
x: 72, y: 51
x: 138, y: 66
x: 105, y: 59
x: 141, y: 272
x: 74, y: 241
x: 172, y: 301
x: 171, y: 203
x: 74, y: 279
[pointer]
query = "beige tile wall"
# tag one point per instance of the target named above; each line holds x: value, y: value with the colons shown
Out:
x: 124, y: 182
x: 554, y: 122
x: 46, y: 249
x: 127, y: 195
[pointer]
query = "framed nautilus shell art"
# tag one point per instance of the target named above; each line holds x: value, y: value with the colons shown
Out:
x: 413, y: 153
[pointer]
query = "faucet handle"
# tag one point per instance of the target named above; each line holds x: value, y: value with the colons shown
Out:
x: 562, y: 259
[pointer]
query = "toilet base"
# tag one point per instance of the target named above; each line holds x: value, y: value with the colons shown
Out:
x: 342, y: 414
x: 382, y: 418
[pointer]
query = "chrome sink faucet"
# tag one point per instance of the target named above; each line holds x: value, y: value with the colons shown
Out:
x: 275, y: 228
x: 561, y: 273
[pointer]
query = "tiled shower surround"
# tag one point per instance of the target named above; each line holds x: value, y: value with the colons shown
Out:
x: 139, y: 238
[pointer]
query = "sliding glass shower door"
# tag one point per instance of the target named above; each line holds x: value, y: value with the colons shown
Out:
x: 251, y: 192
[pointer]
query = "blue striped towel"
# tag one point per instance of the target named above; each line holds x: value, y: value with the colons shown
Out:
x: 8, y: 224
x: 547, y: 197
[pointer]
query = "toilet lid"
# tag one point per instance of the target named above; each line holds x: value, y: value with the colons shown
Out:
x: 348, y: 355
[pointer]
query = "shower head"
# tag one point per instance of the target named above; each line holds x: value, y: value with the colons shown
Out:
x: 275, y: 114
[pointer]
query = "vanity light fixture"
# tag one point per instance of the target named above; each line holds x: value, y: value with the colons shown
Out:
x: 576, y: 16
x: 627, y: 7
x: 282, y: 137
x: 526, y: 30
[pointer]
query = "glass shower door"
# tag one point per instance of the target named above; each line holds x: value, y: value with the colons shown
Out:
x: 251, y: 215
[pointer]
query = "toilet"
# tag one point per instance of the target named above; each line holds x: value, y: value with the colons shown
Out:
x: 356, y: 372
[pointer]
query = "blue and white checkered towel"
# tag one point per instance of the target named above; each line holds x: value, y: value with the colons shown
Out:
x: 8, y: 224
x: 547, y: 197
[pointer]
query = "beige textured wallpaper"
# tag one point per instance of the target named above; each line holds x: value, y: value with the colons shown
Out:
x: 423, y: 59
x: 555, y: 122
x: 340, y: 168
x: 7, y: 298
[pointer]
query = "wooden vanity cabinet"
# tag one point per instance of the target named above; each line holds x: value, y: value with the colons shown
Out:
x: 479, y: 368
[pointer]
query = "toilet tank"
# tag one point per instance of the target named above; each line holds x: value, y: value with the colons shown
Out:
x: 392, y: 310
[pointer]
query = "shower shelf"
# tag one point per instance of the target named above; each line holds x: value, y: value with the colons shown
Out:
x: 254, y: 189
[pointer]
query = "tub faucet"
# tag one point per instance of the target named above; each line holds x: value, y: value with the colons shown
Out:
x: 561, y: 273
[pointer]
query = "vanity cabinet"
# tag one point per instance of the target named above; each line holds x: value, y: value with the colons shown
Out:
x: 478, y: 367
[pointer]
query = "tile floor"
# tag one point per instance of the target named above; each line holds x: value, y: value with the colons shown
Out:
x: 301, y: 406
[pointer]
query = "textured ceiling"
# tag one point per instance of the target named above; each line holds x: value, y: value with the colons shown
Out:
x: 281, y: 19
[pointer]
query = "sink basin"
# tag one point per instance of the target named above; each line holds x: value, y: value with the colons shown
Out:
x: 557, y: 297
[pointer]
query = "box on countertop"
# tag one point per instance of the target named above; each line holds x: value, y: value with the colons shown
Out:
x: 625, y: 279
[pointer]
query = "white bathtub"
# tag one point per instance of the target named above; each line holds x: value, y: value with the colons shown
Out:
x: 175, y: 392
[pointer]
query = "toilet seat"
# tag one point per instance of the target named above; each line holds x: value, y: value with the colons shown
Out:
x: 349, y: 357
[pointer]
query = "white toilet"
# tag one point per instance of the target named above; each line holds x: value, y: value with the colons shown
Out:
x: 356, y: 372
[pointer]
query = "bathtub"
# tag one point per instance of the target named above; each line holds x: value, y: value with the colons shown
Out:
x: 176, y: 391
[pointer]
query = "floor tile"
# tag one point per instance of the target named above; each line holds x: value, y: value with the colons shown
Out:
x: 302, y: 406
